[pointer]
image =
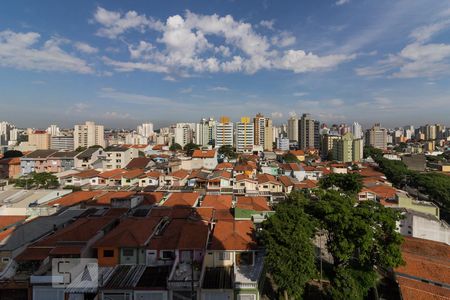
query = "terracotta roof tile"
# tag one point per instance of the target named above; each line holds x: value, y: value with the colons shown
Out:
x: 182, y: 199
x: 218, y: 201
x: 257, y: 203
x: 233, y: 235
x: 204, y: 154
x: 75, y: 198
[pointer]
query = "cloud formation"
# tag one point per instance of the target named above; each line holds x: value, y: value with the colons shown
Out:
x: 208, y: 43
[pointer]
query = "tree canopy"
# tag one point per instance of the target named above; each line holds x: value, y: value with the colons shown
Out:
x: 190, y: 147
x: 227, y: 151
x: 290, y: 252
x: 38, y: 180
x: 290, y: 158
x: 175, y: 147
x: 351, y: 183
x: 12, y: 153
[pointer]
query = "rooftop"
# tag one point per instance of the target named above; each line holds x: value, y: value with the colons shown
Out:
x: 233, y: 235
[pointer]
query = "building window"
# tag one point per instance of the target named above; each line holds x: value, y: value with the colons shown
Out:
x: 128, y: 252
x: 167, y: 255
x: 108, y: 253
x: 224, y: 255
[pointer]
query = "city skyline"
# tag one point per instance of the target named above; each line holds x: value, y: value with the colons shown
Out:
x: 123, y: 64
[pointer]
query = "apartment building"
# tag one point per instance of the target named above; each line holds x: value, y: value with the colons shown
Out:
x: 62, y: 142
x: 377, y: 137
x: 88, y: 135
x: 224, y: 132
x: 205, y: 132
x: 263, y: 132
x: 40, y: 139
x: 245, y: 131
x: 308, y: 131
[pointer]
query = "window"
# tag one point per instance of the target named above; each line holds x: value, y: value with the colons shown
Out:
x: 167, y: 255
x: 128, y: 252
x: 108, y: 253
x: 224, y: 256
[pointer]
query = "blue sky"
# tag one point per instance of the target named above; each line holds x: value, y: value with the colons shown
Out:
x: 123, y: 62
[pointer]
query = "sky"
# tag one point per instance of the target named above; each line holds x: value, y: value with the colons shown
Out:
x: 121, y: 63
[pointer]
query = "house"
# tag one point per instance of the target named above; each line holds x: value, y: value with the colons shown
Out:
x: 79, y: 179
x: 182, y: 199
x: 243, y: 184
x: 225, y: 166
x: 366, y: 194
x: 75, y: 198
x: 132, y: 177
x: 91, y: 158
x: 118, y: 157
x: 268, y: 184
x: 208, y: 158
x: 299, y: 154
x: 177, y: 178
x: 35, y: 161
x: 126, y: 244
x: 287, y: 183
x: 293, y: 170
x: 426, y: 273
x: 108, y: 178
x: 61, y: 161
x: 151, y: 178
x: 424, y: 226
x: 140, y: 163
x: 246, y: 207
x: 386, y: 195
x: 218, y: 202
x: 10, y: 167
x: 219, y: 180
x: 246, y: 169
x: 234, y: 265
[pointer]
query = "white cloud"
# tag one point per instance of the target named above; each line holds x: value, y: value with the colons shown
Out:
x: 113, y: 115
x: 116, y: 23
x: 276, y: 115
x: 267, y: 24
x: 186, y: 90
x: 19, y: 50
x: 299, y: 94
x: 342, y: 2
x: 184, y: 47
x: 112, y: 94
x: 85, y: 48
x: 169, y: 78
x: 335, y: 102
x: 78, y: 107
x: 219, y: 89
x: 416, y: 59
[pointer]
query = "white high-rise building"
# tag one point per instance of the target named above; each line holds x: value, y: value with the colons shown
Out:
x: 377, y: 137
x: 183, y: 134
x: 292, y: 129
x: 245, y: 132
x: 224, y: 132
x: 263, y: 132
x: 53, y: 130
x: 145, y: 129
x: 357, y: 130
x: 5, y: 132
x: 205, y: 132
x: 88, y: 135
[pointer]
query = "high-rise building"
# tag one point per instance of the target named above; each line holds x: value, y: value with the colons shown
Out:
x: 145, y: 129
x: 328, y: 143
x: 245, y: 133
x: 357, y: 130
x: 205, y: 132
x: 62, y: 142
x: 358, y: 150
x: 377, y: 137
x: 53, y: 130
x: 263, y: 132
x: 88, y: 135
x: 5, y: 132
x: 224, y: 132
x: 183, y: 134
x: 40, y: 139
x: 343, y: 148
x: 292, y: 128
x: 308, y: 131
x: 430, y: 132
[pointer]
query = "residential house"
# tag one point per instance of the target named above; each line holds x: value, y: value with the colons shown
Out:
x: 118, y: 157
x: 79, y: 179
x: 182, y: 199
x: 208, y: 158
x: 10, y: 167
x: 293, y: 170
x: 219, y: 180
x: 140, y: 163
x: 132, y: 177
x: 61, y: 161
x: 268, y: 184
x: 247, y: 207
x: 177, y: 178
x: 151, y: 178
x: 91, y: 158
x: 243, y: 184
x: 35, y: 161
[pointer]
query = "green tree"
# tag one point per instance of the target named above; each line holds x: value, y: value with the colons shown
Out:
x: 375, y: 153
x: 290, y: 158
x: 175, y: 147
x: 12, y: 153
x: 351, y: 183
x: 290, y: 257
x: 190, y: 147
x: 46, y: 180
x: 80, y: 149
x: 227, y: 151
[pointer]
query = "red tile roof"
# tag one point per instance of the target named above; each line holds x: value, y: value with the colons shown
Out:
x: 180, y: 174
x: 224, y: 165
x: 152, y: 174
x: 182, y: 199
x: 75, y: 198
x: 241, y: 177
x: 306, y: 184
x: 133, y: 173
x: 218, y: 201
x: 105, y: 199
x: 257, y: 203
x: 6, y: 221
x: 115, y: 174
x: 264, y: 178
x: 286, y: 180
x: 297, y: 152
x: 416, y: 290
x: 233, y: 235
x: 138, y: 163
x: 204, y: 154
x: 86, y: 174
x: 151, y: 198
x: 383, y: 191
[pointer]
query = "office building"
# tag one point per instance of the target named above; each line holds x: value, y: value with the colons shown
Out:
x: 224, y: 132
x: 245, y: 135
x: 377, y: 137
x: 88, y: 135
x: 308, y: 130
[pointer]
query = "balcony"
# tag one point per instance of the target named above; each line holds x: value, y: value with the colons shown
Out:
x: 247, y: 276
x: 183, y: 277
